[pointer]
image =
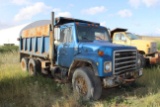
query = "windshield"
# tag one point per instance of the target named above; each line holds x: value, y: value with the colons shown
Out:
x: 132, y: 36
x: 91, y: 33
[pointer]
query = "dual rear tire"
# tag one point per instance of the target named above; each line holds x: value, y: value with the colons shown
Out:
x: 31, y: 65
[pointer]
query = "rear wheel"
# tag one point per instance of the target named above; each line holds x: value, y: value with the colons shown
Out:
x: 33, y: 66
x: 86, y: 84
x: 24, y: 64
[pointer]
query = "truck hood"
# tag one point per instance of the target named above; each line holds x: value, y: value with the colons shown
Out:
x: 106, y: 47
x: 142, y: 42
x: 146, y: 46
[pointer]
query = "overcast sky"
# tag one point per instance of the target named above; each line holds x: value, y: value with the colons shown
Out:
x: 139, y: 16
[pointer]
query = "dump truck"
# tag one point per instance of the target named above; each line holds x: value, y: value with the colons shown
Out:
x: 147, y: 48
x: 80, y: 51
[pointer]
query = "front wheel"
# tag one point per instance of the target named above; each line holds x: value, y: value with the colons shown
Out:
x: 86, y: 84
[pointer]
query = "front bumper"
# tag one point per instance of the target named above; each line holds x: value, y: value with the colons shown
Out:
x: 123, y: 78
x: 154, y: 59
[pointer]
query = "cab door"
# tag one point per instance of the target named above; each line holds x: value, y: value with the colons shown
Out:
x: 121, y: 38
x: 66, y: 50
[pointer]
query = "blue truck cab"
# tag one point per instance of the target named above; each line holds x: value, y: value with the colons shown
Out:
x: 79, y: 50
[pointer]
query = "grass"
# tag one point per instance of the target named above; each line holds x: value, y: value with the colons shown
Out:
x: 18, y: 89
x: 145, y: 93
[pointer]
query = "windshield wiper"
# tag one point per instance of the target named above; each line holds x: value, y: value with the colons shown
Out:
x: 86, y: 39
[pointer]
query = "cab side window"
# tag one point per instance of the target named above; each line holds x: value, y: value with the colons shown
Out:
x: 120, y: 37
x: 67, y: 35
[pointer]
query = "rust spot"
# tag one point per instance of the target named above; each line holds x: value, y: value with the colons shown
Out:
x: 46, y: 54
x: 51, y: 32
x: 153, y: 60
x: 36, y: 32
x: 51, y: 44
x: 37, y: 52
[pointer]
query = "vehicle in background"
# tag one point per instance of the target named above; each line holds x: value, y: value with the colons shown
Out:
x: 147, y: 49
x: 80, y: 51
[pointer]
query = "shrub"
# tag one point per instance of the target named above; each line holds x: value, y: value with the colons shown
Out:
x: 8, y: 48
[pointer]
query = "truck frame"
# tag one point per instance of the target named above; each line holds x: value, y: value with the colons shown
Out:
x: 79, y: 51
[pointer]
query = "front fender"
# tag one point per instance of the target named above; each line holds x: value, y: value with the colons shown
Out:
x: 83, y: 60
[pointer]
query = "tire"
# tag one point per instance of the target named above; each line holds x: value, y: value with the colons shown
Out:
x: 24, y: 64
x: 143, y: 61
x: 98, y: 88
x: 38, y: 65
x: 86, y: 84
x: 33, y: 66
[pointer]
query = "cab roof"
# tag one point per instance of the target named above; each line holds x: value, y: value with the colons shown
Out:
x: 64, y: 20
x: 117, y: 30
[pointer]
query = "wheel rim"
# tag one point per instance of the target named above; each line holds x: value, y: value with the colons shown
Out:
x: 31, y: 69
x: 81, y: 85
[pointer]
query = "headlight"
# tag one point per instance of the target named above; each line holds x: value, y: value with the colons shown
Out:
x: 107, y: 67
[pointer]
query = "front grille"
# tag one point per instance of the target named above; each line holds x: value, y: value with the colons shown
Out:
x: 124, y: 60
x: 153, y: 47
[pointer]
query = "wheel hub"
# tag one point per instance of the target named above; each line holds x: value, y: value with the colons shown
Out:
x: 81, y: 85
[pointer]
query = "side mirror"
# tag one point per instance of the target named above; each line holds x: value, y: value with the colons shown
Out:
x: 57, y: 33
